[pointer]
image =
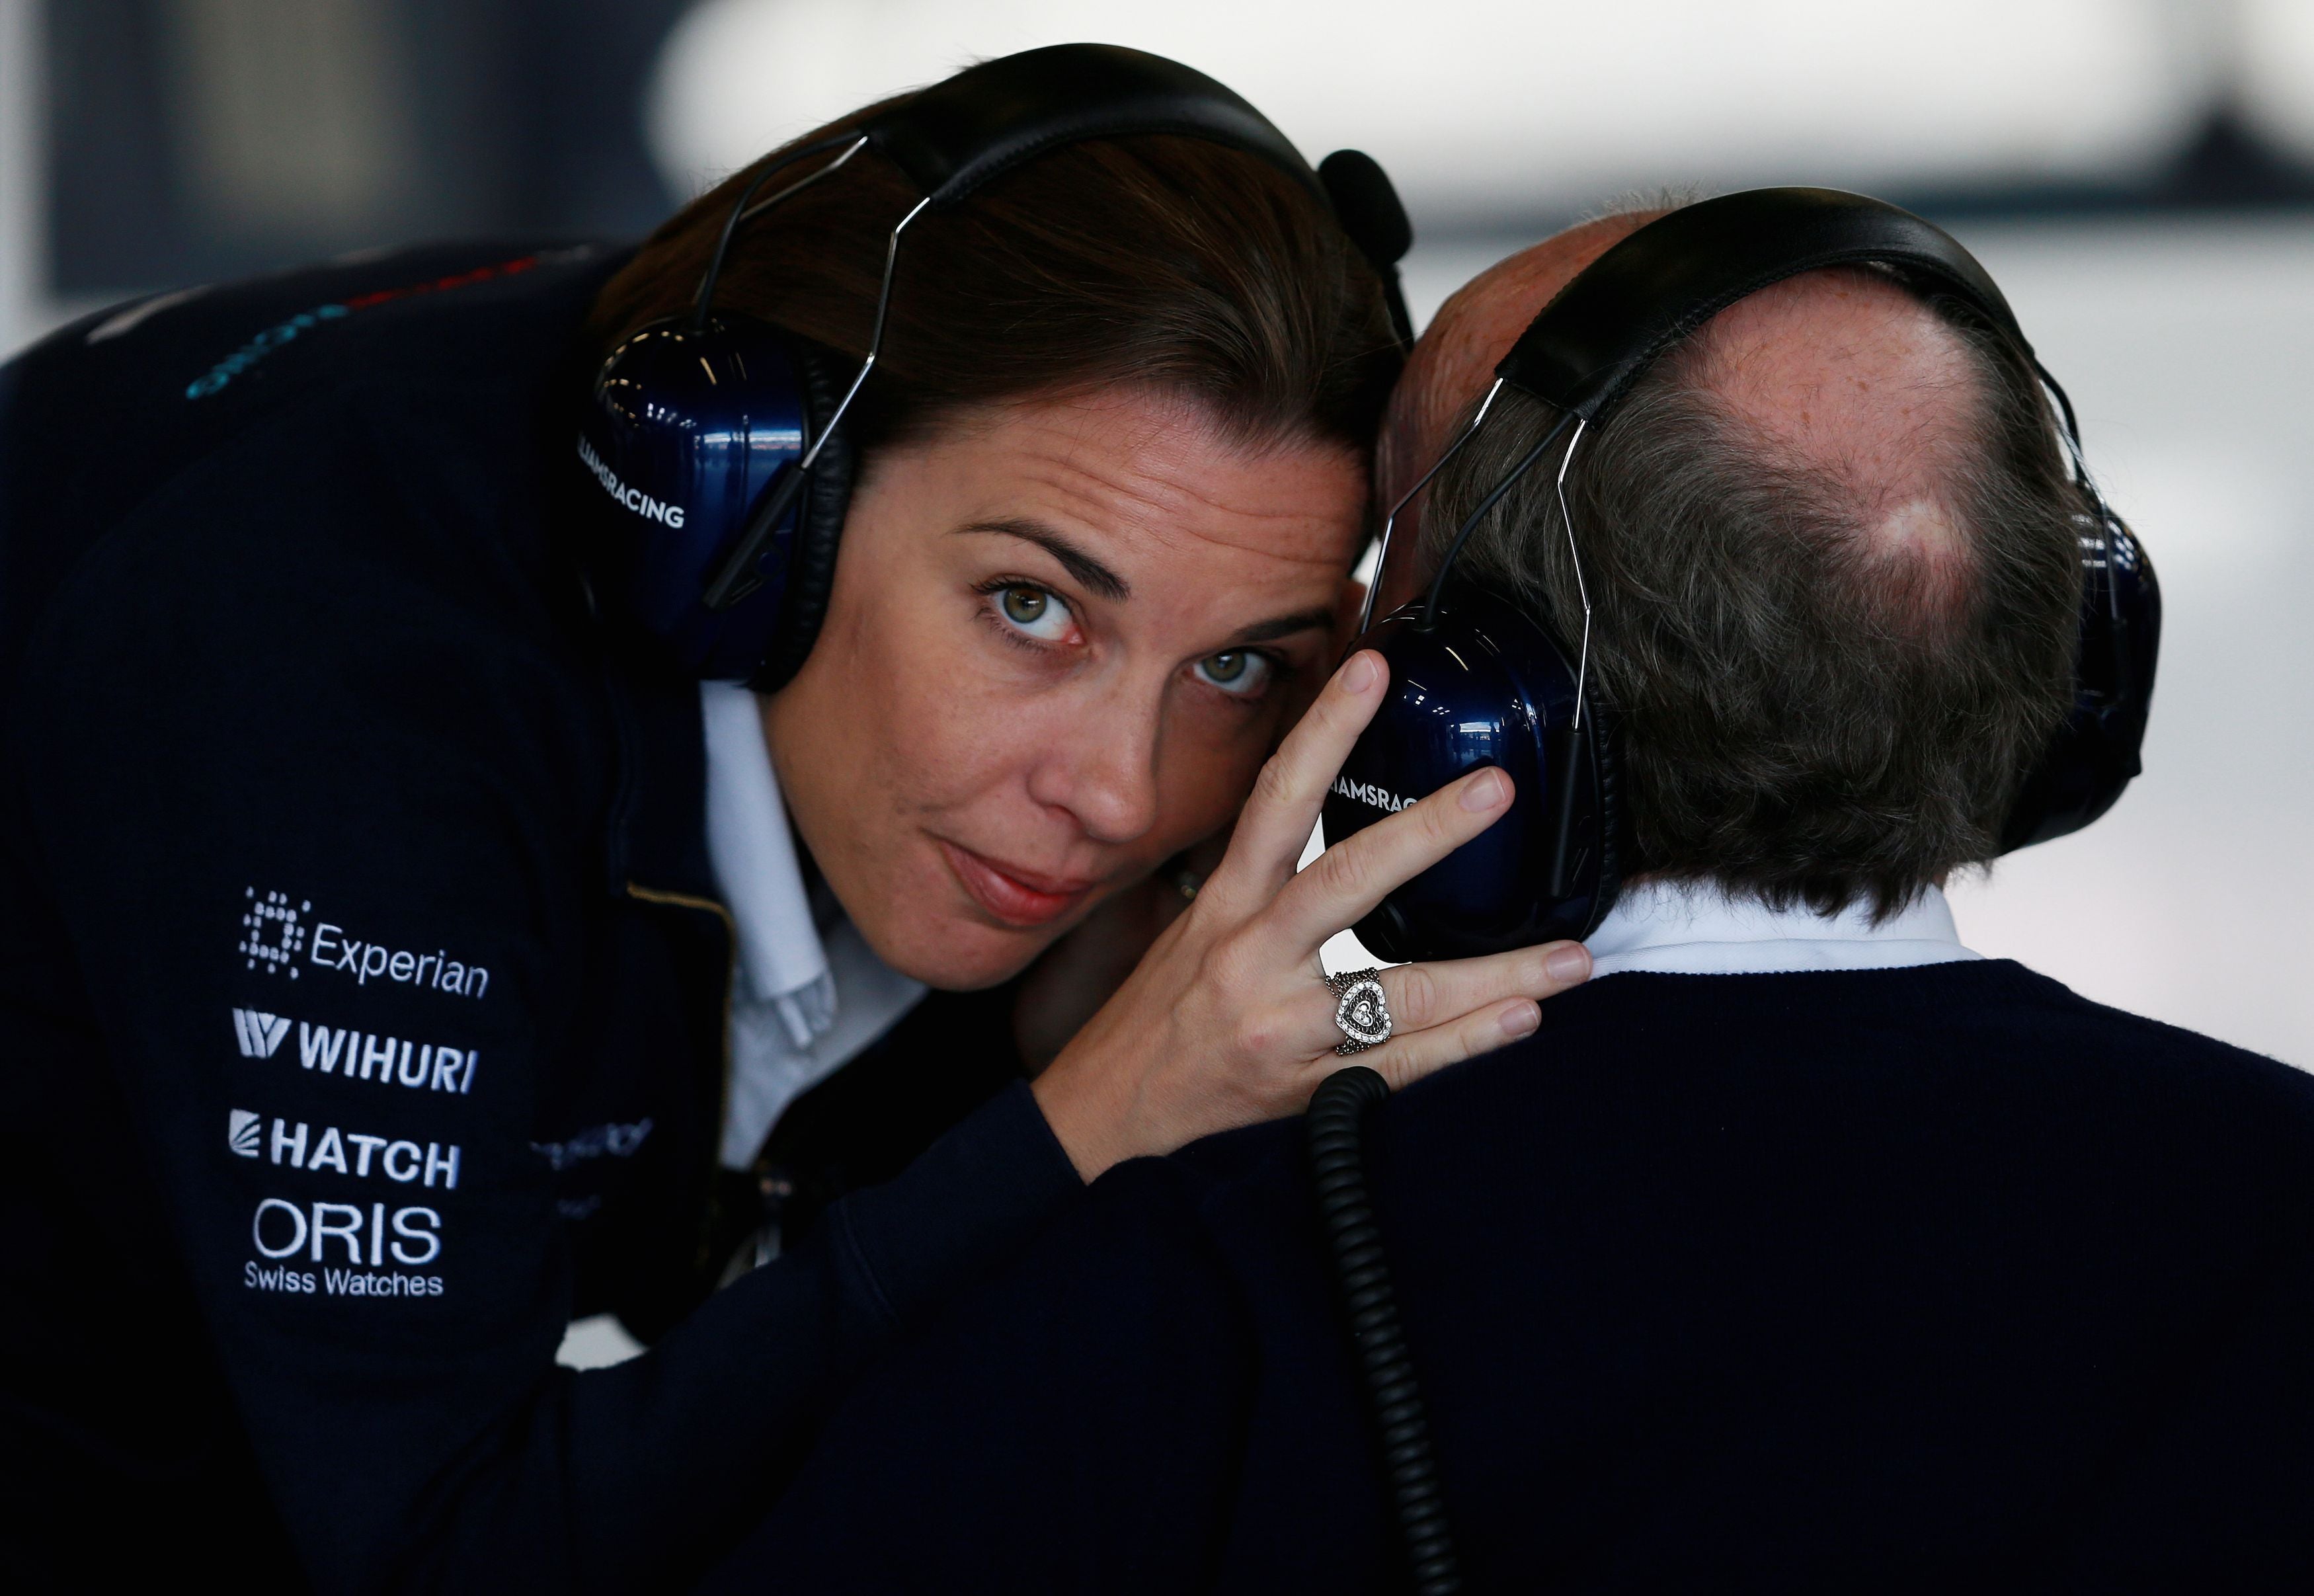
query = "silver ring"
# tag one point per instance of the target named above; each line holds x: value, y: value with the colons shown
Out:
x: 1361, y: 1011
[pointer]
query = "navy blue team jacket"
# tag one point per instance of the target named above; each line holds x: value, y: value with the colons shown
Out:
x: 1931, y: 1279
x: 361, y: 986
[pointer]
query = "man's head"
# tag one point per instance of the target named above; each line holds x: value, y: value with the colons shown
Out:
x: 1832, y: 563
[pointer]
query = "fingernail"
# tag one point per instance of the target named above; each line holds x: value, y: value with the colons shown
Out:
x: 1521, y: 1018
x: 1569, y: 963
x: 1358, y: 675
x: 1489, y: 790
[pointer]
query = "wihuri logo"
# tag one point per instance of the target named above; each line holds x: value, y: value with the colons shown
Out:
x: 1367, y: 793
x: 642, y: 504
x: 260, y: 1034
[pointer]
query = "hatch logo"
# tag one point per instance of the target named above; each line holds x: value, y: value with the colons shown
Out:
x: 271, y: 934
x: 401, y: 1162
x: 1373, y: 797
x: 260, y: 1034
x: 242, y: 1132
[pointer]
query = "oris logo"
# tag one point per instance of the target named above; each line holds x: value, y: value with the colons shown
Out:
x: 1368, y: 794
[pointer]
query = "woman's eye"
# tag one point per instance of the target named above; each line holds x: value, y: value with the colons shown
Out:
x: 1040, y: 615
x: 1240, y: 671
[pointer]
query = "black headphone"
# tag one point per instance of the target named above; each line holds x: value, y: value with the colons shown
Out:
x: 716, y: 440
x: 1475, y: 680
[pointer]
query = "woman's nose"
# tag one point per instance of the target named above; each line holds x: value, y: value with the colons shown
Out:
x: 1099, y: 764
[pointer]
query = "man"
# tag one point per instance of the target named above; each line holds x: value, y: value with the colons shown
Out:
x: 1804, y: 1248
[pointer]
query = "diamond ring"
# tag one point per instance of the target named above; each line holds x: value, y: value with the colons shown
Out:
x: 1360, y: 1010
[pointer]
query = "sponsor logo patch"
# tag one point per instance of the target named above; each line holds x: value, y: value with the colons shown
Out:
x: 356, y: 1054
x: 271, y: 934
x: 354, y: 1154
x: 366, y: 1241
x: 243, y: 1133
x: 260, y: 1034
x: 276, y: 935
x: 618, y: 1142
x: 366, y: 962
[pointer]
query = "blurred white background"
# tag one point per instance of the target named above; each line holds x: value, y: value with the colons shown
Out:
x: 1472, y: 104
x: 2139, y: 174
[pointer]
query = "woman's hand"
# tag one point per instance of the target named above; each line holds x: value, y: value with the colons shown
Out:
x: 1228, y: 1019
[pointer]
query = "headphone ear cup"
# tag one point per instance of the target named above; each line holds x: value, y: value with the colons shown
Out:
x: 822, y: 375
x: 2097, y: 753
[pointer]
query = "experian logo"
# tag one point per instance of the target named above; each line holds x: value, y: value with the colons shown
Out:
x: 634, y: 498
x: 365, y: 961
x: 1366, y: 792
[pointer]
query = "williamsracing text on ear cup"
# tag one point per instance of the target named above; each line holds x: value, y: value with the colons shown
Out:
x: 822, y: 374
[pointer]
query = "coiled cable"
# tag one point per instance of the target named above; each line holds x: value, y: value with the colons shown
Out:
x: 1337, y: 1170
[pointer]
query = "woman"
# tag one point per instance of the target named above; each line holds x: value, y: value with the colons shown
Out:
x: 525, y: 947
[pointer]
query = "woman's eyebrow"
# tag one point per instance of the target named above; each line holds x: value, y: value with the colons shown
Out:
x: 1103, y: 582
x: 1286, y: 626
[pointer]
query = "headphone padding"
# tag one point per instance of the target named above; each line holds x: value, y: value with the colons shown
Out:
x: 822, y: 375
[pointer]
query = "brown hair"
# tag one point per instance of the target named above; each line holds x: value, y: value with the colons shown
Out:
x: 1154, y: 260
x: 1794, y: 726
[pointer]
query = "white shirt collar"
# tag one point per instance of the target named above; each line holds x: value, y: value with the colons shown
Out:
x: 1686, y: 929
x: 787, y: 1032
x: 781, y: 960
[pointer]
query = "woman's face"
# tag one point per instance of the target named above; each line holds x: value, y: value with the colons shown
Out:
x: 1063, y: 637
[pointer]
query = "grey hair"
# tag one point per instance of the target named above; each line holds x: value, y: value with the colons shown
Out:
x: 1803, y: 719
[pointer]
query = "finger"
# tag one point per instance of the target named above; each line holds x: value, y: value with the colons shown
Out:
x: 1421, y: 996
x: 1403, y: 1060
x: 1343, y: 885
x: 1287, y: 795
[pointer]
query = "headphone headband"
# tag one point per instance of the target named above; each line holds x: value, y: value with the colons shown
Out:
x: 1618, y: 315
x: 954, y: 137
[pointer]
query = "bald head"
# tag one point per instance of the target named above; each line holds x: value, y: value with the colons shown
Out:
x: 1455, y: 359
x: 1839, y: 373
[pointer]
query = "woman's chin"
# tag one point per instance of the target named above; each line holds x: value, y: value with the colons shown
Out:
x: 958, y: 952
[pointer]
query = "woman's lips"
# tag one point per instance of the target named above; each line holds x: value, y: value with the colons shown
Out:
x: 1013, y: 896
